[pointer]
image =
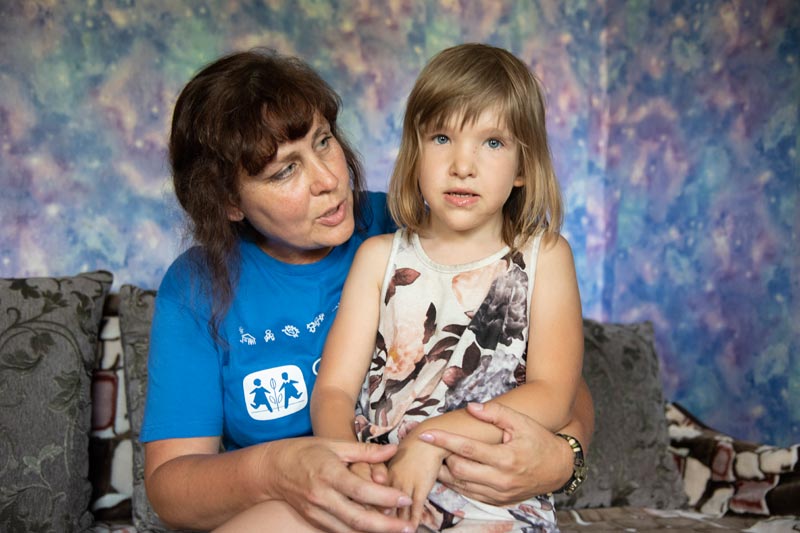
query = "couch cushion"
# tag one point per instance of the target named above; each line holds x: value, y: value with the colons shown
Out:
x: 633, y: 519
x: 724, y: 475
x: 629, y: 462
x: 48, y: 338
x: 135, y: 315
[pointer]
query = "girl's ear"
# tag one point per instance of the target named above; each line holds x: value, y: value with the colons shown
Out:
x: 519, y: 181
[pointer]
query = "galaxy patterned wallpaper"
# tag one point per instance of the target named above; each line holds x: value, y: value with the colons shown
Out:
x: 674, y: 128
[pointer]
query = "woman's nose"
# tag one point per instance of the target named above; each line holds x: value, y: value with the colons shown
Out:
x: 323, y: 178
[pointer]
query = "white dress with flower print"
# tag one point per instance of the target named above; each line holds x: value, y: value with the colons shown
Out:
x: 448, y: 335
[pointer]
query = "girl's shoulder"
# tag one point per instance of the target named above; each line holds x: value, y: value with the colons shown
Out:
x: 372, y: 257
x: 377, y: 246
x: 555, y: 252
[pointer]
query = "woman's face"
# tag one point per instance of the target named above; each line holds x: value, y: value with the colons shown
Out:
x: 301, y: 203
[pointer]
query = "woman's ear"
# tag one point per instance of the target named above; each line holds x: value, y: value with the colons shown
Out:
x: 234, y: 213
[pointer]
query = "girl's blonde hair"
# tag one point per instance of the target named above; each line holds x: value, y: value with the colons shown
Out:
x: 462, y: 82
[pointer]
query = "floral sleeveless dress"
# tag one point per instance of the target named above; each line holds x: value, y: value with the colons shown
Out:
x: 448, y: 335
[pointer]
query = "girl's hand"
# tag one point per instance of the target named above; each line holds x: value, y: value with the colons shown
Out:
x: 362, y: 470
x: 376, y: 472
x: 413, y: 471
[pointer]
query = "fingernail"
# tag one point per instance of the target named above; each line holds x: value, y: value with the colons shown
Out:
x: 408, y: 530
x: 427, y: 437
x: 387, y: 512
x: 477, y: 406
x: 404, y: 501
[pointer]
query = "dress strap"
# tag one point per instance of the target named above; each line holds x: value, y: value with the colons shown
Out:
x: 399, y: 237
x: 531, y: 255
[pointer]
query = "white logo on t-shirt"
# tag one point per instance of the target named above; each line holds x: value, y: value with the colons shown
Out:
x: 246, y: 338
x: 275, y: 392
x: 313, y: 325
x: 291, y: 331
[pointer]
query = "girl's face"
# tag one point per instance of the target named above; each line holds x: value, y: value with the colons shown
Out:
x: 301, y: 203
x: 467, y: 174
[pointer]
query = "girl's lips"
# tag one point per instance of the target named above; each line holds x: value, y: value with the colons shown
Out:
x: 335, y: 216
x: 461, y: 198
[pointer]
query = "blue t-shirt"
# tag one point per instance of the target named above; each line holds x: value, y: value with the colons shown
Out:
x: 256, y: 386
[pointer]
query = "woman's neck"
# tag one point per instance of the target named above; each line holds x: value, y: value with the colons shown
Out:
x: 294, y: 256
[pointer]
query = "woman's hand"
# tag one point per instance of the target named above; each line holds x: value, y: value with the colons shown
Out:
x: 530, y: 461
x: 319, y: 485
x: 192, y: 486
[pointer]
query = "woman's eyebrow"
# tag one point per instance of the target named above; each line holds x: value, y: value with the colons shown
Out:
x: 281, y: 157
x: 322, y: 129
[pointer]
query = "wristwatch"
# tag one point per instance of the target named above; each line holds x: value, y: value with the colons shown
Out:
x: 579, y: 468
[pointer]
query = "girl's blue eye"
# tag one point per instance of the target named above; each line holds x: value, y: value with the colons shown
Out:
x: 440, y: 139
x: 494, y: 143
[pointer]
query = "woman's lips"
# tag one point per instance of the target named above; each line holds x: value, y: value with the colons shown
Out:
x: 335, y: 216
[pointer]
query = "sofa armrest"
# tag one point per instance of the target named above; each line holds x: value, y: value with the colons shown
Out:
x: 722, y: 474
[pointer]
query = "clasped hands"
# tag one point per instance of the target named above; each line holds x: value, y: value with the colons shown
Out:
x: 498, y: 474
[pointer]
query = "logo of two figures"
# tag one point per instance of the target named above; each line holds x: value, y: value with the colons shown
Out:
x: 270, y: 398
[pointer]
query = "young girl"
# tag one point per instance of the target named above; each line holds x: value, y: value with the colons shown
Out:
x: 475, y: 299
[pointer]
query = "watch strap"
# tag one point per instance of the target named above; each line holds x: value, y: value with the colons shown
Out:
x: 579, y: 467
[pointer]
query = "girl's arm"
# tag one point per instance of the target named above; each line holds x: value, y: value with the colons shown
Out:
x: 555, y: 354
x: 350, y: 343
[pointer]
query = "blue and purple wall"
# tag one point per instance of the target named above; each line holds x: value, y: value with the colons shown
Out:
x: 674, y: 127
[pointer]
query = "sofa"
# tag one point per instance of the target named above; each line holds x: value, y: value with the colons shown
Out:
x: 73, y: 377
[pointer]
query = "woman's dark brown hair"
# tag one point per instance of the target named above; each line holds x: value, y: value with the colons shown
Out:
x: 229, y: 119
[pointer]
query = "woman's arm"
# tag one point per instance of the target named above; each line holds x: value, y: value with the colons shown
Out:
x: 527, y: 461
x: 530, y: 460
x: 191, y: 485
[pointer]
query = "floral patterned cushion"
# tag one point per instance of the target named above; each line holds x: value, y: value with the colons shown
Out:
x: 629, y: 462
x: 48, y: 340
x: 723, y: 475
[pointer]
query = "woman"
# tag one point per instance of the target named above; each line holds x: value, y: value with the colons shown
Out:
x: 276, y: 201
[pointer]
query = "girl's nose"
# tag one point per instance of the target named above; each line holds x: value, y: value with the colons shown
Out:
x: 463, y: 164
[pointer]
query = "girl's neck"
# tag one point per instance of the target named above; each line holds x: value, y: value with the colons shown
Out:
x: 454, y: 248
